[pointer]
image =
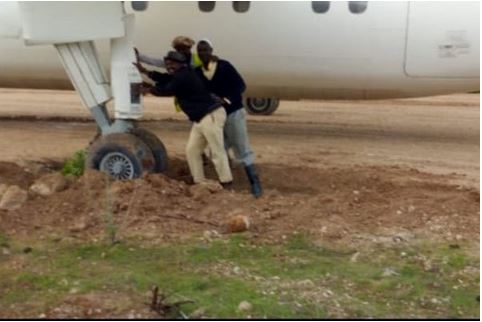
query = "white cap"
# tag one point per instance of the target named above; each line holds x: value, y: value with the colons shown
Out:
x: 206, y: 41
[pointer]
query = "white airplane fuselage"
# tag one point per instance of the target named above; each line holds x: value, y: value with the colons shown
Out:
x: 286, y: 50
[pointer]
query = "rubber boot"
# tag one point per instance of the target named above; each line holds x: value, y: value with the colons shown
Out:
x: 256, y: 189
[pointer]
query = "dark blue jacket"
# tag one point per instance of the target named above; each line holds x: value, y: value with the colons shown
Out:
x: 226, y: 82
x: 193, y: 97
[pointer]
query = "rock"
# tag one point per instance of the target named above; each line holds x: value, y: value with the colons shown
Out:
x: 237, y: 224
x: 79, y: 225
x: 74, y: 290
x: 245, y: 306
x: 306, y: 283
x: 210, y: 234
x: 131, y: 316
x: 49, y: 184
x: 5, y: 251
x: 13, y: 198
x: 354, y: 257
x: 198, y: 313
x: 389, y: 272
x: 3, y: 188
x: 203, y: 190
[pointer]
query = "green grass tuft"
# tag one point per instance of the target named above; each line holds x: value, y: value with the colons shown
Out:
x: 75, y: 166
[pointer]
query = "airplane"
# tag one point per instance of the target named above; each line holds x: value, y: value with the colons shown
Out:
x: 284, y: 50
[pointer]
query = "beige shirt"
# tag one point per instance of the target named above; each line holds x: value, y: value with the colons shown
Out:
x: 209, y: 72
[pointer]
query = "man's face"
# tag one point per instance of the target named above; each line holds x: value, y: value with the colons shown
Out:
x: 172, y: 66
x: 205, y: 52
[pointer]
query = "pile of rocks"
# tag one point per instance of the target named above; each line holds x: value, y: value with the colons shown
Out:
x: 13, y: 197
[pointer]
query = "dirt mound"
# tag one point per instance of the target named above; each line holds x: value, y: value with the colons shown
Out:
x: 335, y: 204
x: 13, y: 174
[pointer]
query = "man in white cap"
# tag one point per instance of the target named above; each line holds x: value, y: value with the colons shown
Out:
x: 223, y: 80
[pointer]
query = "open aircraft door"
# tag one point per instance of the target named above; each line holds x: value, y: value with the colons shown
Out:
x: 442, y: 35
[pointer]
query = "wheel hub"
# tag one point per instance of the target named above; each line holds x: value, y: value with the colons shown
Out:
x: 117, y: 165
x: 259, y: 103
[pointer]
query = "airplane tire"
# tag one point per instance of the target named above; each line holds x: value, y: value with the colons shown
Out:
x: 122, y: 156
x: 261, y: 106
x: 157, y: 147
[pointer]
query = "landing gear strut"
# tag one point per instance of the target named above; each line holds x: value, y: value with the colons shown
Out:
x: 122, y: 150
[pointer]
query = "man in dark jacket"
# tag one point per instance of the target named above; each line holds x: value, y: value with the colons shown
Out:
x: 222, y: 79
x: 206, y: 113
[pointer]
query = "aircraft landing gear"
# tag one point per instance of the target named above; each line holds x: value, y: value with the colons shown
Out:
x: 121, y: 149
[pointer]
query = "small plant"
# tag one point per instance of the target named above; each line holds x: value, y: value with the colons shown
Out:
x: 110, y: 225
x: 75, y: 166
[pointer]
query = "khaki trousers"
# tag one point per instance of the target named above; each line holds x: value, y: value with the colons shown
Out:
x: 209, y: 132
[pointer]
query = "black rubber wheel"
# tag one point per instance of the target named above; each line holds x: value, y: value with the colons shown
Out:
x: 261, y: 106
x: 157, y: 147
x: 121, y: 155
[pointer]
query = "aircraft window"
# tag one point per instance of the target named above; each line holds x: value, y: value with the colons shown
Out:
x: 357, y: 6
x: 241, y: 6
x: 320, y: 6
x: 206, y: 6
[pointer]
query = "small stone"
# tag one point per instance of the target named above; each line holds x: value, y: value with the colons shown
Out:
x: 5, y: 251
x: 237, y: 224
x: 13, y: 198
x: 198, y: 313
x: 49, y: 184
x: 354, y: 257
x: 237, y: 270
x: 356, y: 192
x: 3, y: 189
x: 399, y: 212
x: 79, y: 225
x: 307, y: 283
x: 203, y: 190
x: 389, y: 272
x: 74, y: 290
x: 434, y: 301
x: 245, y: 306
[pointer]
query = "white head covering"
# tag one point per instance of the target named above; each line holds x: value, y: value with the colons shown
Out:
x: 206, y: 41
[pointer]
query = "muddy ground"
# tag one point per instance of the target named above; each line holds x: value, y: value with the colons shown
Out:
x: 341, y: 171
